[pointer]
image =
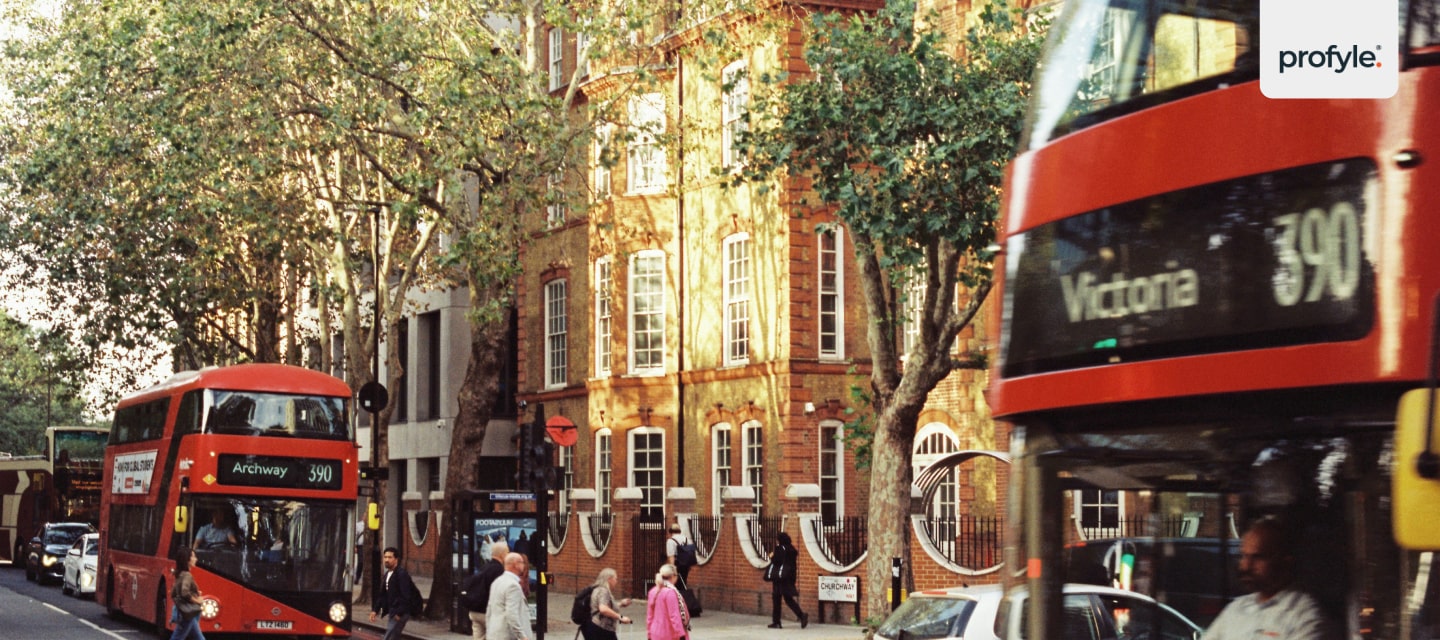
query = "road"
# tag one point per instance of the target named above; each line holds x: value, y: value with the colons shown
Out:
x: 41, y: 612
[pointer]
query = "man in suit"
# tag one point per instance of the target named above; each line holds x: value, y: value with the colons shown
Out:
x: 507, y: 617
x: 397, y: 599
x: 476, y: 590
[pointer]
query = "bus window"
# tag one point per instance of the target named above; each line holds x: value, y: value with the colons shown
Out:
x: 273, y: 414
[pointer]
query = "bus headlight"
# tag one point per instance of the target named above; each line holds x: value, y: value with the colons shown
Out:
x: 339, y: 612
x: 209, y: 608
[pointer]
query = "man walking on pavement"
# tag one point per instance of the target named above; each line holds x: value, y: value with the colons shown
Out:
x: 475, y: 593
x: 399, y: 599
x: 507, y: 617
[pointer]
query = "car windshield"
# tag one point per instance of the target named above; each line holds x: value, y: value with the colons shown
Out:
x: 64, y: 535
x: 922, y: 618
x: 275, y: 546
x: 274, y: 414
x: 1109, y: 57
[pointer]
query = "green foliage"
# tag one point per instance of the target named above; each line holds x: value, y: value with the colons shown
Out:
x: 37, y: 370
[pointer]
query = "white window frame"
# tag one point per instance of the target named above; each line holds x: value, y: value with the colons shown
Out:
x: 557, y: 58
x: 645, y: 163
x: 831, y: 290
x: 654, y: 309
x: 555, y: 207
x: 557, y: 333
x: 912, y: 309
x: 567, y: 479
x: 933, y: 441
x: 734, y: 103
x: 582, y: 57
x: 604, y: 314
x: 736, y: 293
x: 752, y: 452
x: 604, y: 134
x: 652, y: 501
x: 1081, y: 504
x: 832, y: 482
x: 722, y: 460
x: 604, y: 472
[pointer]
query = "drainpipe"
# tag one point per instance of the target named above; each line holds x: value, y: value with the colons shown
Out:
x: 680, y: 282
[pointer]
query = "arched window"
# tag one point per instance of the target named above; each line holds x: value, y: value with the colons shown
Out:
x: 932, y: 442
x: 604, y: 478
x: 752, y: 436
x: 647, y: 468
x: 832, y: 471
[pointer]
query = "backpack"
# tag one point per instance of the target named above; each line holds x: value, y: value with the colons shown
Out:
x: 417, y: 601
x: 580, y: 611
x: 685, y: 554
x: 474, y: 595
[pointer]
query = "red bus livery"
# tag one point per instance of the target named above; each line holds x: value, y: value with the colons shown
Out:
x: 255, y: 467
x: 1212, y: 304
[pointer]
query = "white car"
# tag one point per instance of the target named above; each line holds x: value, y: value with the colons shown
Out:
x: 986, y: 613
x: 78, y: 577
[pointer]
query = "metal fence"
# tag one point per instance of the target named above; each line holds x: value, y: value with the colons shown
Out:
x: 973, y: 542
x: 600, y: 526
x: 763, y: 531
x: 648, y: 537
x: 842, y: 541
x: 1139, y: 526
x: 705, y: 531
x: 559, y: 526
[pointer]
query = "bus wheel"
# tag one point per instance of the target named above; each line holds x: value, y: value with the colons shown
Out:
x: 161, y: 617
x: 110, y: 609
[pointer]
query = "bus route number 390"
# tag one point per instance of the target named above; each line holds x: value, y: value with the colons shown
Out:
x: 1317, y: 253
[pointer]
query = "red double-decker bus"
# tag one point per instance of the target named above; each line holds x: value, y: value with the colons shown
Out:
x: 255, y: 467
x: 1212, y: 304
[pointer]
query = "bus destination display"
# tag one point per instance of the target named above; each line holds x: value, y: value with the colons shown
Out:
x: 276, y: 471
x: 1261, y: 261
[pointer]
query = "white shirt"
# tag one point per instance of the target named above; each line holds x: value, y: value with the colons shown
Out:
x: 1289, y: 615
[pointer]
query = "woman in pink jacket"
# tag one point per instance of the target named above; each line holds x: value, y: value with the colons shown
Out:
x: 665, y: 615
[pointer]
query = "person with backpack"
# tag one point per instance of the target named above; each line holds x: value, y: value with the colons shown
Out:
x: 475, y: 592
x: 399, y: 599
x: 601, y: 621
x: 681, y: 553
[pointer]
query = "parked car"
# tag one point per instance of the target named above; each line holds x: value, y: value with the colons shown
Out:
x: 1198, y: 576
x: 79, y: 572
x: 1091, y: 612
x: 44, y: 560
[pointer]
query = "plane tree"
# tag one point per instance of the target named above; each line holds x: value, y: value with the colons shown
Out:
x: 904, y: 134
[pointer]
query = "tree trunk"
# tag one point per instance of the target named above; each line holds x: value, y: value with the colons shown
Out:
x: 889, y: 514
x: 476, y: 399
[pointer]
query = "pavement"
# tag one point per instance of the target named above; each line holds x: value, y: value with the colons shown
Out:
x: 712, y: 625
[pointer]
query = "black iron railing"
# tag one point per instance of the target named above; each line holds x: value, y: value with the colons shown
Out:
x: 600, y: 527
x: 842, y: 541
x: 705, y: 531
x: 559, y: 525
x: 1137, y: 526
x: 763, y: 532
x: 973, y: 542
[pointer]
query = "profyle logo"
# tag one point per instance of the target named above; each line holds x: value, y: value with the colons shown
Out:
x: 1311, y: 48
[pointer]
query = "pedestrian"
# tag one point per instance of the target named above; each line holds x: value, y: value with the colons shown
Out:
x: 507, y: 616
x: 604, y: 619
x: 781, y: 575
x: 1275, y: 608
x: 475, y: 593
x: 673, y: 546
x: 665, y: 615
x: 186, y: 596
x: 398, y: 599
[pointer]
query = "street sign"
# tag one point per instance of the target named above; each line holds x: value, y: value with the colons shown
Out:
x: 511, y: 496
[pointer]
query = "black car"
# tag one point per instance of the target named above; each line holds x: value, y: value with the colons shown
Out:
x: 45, y: 558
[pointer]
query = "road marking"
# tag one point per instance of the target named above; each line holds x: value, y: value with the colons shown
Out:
x: 86, y: 622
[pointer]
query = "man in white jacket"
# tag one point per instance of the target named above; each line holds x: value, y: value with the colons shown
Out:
x: 507, y: 616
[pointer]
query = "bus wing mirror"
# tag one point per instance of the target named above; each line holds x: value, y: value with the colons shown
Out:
x: 1414, y: 496
x: 372, y: 517
x: 182, y: 519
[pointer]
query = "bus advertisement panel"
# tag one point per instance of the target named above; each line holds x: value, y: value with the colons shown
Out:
x: 255, y: 468
x: 1211, y: 304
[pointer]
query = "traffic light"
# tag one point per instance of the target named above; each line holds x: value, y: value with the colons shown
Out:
x: 537, y: 466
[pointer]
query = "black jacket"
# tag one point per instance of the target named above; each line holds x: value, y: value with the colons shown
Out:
x: 786, y: 555
x: 477, y: 586
x: 399, y: 596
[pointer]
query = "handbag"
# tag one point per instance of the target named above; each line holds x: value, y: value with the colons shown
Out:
x: 187, y: 609
x: 772, y: 572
